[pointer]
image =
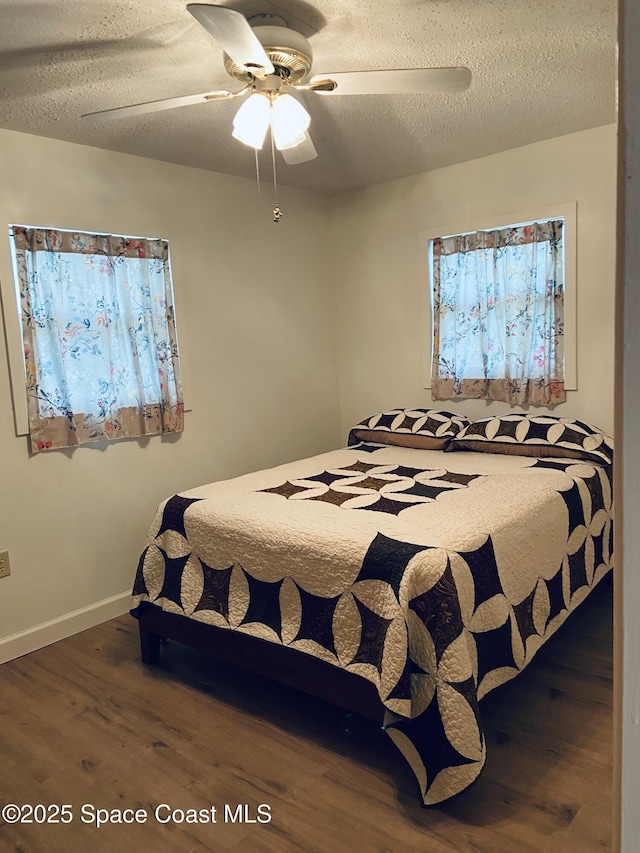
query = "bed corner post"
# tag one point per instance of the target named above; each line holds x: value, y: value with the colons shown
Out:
x: 149, y: 646
x: 149, y: 642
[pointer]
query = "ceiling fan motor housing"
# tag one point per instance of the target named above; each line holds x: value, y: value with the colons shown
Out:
x: 290, y: 53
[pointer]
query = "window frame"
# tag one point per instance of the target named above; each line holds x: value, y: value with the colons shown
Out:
x: 11, y: 310
x: 564, y: 210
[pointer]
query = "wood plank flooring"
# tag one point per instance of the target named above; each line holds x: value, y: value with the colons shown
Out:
x: 84, y: 722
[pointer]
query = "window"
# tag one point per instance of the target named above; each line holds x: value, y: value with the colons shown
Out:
x: 100, y: 345
x: 498, y: 314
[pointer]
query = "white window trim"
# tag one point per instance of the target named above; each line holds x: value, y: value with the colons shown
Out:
x: 567, y: 210
x: 13, y: 322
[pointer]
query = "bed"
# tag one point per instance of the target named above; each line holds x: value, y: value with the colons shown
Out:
x: 403, y: 577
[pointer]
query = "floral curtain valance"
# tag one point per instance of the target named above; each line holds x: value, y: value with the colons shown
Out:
x: 72, y: 242
x: 498, y: 320
x: 100, y: 344
x: 521, y: 235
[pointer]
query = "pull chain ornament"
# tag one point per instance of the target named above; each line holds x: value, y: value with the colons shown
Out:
x: 277, y: 213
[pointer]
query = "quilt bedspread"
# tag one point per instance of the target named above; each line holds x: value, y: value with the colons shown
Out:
x: 434, y: 575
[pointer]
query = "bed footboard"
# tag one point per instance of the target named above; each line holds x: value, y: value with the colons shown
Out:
x: 281, y: 664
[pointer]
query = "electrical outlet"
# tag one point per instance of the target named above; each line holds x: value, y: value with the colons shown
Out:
x: 5, y: 568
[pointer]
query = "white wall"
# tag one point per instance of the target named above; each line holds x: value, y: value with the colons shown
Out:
x: 254, y: 316
x: 380, y: 272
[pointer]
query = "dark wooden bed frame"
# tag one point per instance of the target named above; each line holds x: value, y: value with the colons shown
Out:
x: 279, y: 663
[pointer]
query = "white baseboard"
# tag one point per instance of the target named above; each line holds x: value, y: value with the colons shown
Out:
x: 64, y: 626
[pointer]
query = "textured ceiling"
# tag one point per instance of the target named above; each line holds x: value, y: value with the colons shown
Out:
x: 541, y: 68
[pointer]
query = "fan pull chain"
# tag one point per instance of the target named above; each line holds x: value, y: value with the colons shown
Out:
x: 257, y: 172
x: 277, y: 213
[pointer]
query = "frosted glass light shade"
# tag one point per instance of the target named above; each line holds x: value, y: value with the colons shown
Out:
x: 289, y: 121
x: 251, y: 122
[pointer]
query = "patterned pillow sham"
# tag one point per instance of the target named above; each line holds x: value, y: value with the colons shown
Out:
x: 536, y: 435
x: 426, y: 429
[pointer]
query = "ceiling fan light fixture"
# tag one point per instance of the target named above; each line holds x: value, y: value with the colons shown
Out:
x: 289, y: 122
x: 288, y: 143
x: 252, y: 120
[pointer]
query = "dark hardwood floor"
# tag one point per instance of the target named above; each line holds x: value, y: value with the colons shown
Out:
x: 84, y: 722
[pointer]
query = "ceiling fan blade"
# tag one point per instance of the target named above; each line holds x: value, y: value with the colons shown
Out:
x: 302, y: 153
x: 234, y: 35
x: 154, y: 106
x: 396, y: 81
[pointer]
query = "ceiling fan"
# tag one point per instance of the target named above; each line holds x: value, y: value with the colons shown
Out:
x: 271, y: 59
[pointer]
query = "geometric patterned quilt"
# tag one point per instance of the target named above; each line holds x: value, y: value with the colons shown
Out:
x: 436, y: 576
